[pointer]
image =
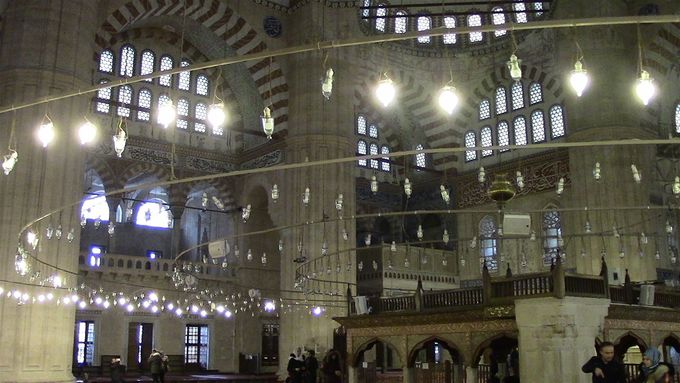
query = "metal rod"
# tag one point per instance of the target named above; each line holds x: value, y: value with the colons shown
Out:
x: 457, y: 4
x: 364, y: 40
x: 442, y: 14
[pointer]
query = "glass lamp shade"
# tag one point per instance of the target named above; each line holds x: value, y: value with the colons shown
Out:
x: 9, y: 161
x: 216, y: 115
x: 327, y: 84
x: 166, y: 113
x: 579, y: 78
x: 645, y: 88
x: 119, y: 142
x: 514, y: 67
x: 46, y: 133
x: 385, y: 92
x: 448, y: 99
x: 87, y: 132
x: 267, y: 122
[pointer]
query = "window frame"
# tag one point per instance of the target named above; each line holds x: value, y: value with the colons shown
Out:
x: 501, y: 33
x: 498, y: 134
x: 488, y: 240
x: 143, y: 109
x: 531, y: 118
x: 200, y: 327
x: 134, y: 61
x: 113, y: 62
x: 470, y: 133
x: 429, y: 39
x: 481, y: 23
x: 486, y: 152
x: 514, y: 130
x: 359, y: 154
x: 170, y: 77
x: 564, y: 122
x: 141, y: 63
x: 89, y: 325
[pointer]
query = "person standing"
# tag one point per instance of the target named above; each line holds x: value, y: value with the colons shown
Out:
x: 294, y: 369
x: 604, y: 367
x: 652, y: 370
x: 156, y: 366
x: 332, y: 367
x: 116, y: 371
x: 311, y: 366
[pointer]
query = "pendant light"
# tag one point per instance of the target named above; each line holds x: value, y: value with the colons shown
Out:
x: 46, y: 131
x: 385, y: 91
x: 87, y: 132
x: 267, y: 122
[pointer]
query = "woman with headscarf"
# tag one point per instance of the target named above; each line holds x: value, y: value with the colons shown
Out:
x: 652, y: 370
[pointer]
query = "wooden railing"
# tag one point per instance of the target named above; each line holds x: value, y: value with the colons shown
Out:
x: 449, y: 298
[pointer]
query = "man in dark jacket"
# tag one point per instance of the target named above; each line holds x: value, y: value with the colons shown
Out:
x: 603, y: 367
x: 311, y: 366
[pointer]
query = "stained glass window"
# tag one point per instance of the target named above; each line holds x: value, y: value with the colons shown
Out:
x: 535, y: 93
x: 503, y: 135
x: 538, y: 6
x: 485, y: 136
x: 552, y: 232
x: 127, y: 61
x: 95, y: 207
x: 677, y: 118
x: 520, y: 12
x: 420, y: 157
x: 201, y: 113
x: 366, y: 12
x: 517, y: 95
x: 148, y: 63
x: 475, y: 21
x: 153, y: 213
x: 501, y: 101
x: 144, y: 103
x: 182, y: 113
x: 125, y: 99
x: 184, y: 81
x: 400, y: 22
x: 380, y: 14
x: 163, y: 99
x: 470, y: 142
x: 362, y: 151
x: 556, y: 122
x: 166, y: 64
x: 424, y: 24
x: 104, y: 94
x: 498, y: 18
x: 520, y: 130
x: 373, y: 131
x: 537, y: 126
x: 449, y: 22
x: 361, y: 125
x: 106, y: 61
x: 487, y: 237
x: 484, y: 109
x: 374, y: 150
x: 385, y: 164
x: 202, y: 85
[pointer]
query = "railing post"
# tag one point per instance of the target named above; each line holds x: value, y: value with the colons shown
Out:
x: 628, y: 290
x: 604, y: 273
x: 558, y: 278
x: 419, y: 295
x: 486, y: 284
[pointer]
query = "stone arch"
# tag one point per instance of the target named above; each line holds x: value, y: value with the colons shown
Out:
x: 359, y: 350
x: 489, y: 342
x: 104, y: 171
x: 450, y: 345
x: 217, y: 17
x: 146, y: 169
x: 628, y: 339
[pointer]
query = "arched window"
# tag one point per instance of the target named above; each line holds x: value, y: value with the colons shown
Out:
x: 520, y: 130
x: 362, y: 150
x: 470, y: 142
x: 166, y: 63
x: 475, y: 20
x: 153, y: 213
x: 552, y: 232
x: 498, y: 18
x: 366, y: 12
x: 104, y: 106
x: 148, y: 63
x: 182, y: 113
x: 535, y: 93
x: 537, y: 126
x: 106, y: 61
x: 202, y: 85
x: 218, y: 130
x: 373, y: 149
x: 95, y: 207
x: 127, y: 61
x: 677, y: 118
x: 385, y: 164
x: 449, y: 22
x: 200, y: 113
x: 485, y: 137
x: 373, y: 131
x: 184, y: 78
x: 424, y: 24
x: 517, y: 95
x: 125, y: 99
x: 484, y: 109
x: 501, y: 101
x: 556, y: 122
x: 144, y: 102
x: 361, y: 125
x: 400, y: 22
x: 380, y: 14
x: 163, y: 99
x: 520, y: 12
x: 487, y: 237
x: 420, y: 157
x: 503, y: 135
x: 538, y: 7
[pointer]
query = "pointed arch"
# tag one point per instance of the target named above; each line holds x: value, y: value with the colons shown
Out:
x: 359, y: 350
x: 448, y: 344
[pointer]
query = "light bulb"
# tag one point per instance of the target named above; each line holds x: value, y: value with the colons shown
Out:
x: 645, y: 88
x: 11, y: 159
x: 520, y: 180
x: 245, y: 214
x: 204, y: 200
x: 579, y: 78
x: 339, y: 202
x: 46, y: 132
x: 385, y: 91
x: 327, y: 84
x: 407, y: 188
x: 514, y: 67
x: 637, y: 177
x: 166, y: 113
x: 275, y: 193
x: 560, y: 186
x: 219, y: 204
x: 419, y: 232
x: 360, y: 266
x: 445, y: 194
x: 445, y: 236
x: 249, y: 255
x: 216, y: 115
x: 597, y: 173
x: 119, y: 140
x: 588, y: 227
x: 367, y: 240
x: 481, y: 177
x: 448, y: 99
x: 676, y: 186
x: 393, y: 246
x: 87, y: 132
x: 264, y: 258
x: 305, y: 197
x: 374, y: 184
x: 267, y: 122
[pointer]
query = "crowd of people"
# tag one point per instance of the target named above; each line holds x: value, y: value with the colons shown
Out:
x: 306, y: 369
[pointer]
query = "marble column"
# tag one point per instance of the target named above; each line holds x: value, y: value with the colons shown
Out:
x: 47, y: 49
